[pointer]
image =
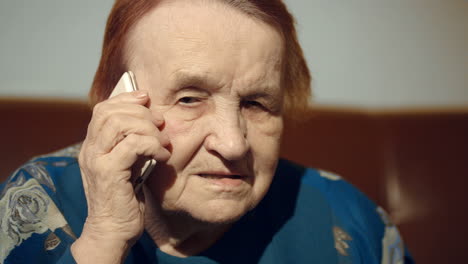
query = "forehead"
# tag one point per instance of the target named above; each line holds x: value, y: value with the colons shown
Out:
x: 206, y: 38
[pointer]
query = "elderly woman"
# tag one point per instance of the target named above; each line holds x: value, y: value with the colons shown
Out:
x: 215, y: 80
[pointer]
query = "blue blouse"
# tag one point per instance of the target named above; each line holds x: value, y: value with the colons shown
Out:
x: 307, y: 216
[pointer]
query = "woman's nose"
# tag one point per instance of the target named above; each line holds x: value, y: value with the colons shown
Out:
x: 228, y: 137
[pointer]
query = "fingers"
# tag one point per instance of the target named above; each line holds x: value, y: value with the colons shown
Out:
x: 121, y: 130
x: 135, y: 97
x: 131, y: 98
x: 121, y: 116
x: 135, y: 146
x: 119, y: 126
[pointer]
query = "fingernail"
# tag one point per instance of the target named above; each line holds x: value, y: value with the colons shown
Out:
x: 140, y: 94
x: 158, y: 121
x: 164, y: 140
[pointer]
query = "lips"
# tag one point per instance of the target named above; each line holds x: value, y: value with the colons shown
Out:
x: 223, y: 179
x: 217, y: 176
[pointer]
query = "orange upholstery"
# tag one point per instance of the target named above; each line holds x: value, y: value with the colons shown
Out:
x: 34, y: 127
x: 414, y: 164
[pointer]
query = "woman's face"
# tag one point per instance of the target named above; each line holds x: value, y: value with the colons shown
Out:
x: 215, y: 75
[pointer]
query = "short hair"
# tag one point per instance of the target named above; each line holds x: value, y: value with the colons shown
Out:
x: 126, y: 13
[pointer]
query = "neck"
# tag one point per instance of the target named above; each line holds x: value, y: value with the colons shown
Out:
x: 177, y: 233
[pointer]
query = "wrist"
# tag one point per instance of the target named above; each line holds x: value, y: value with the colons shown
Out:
x: 121, y: 232
x: 99, y: 247
x: 88, y: 250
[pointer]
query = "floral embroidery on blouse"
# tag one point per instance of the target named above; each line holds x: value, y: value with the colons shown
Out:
x: 26, y: 208
x: 341, y: 240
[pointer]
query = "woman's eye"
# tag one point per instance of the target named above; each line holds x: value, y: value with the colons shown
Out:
x: 250, y: 104
x: 189, y: 100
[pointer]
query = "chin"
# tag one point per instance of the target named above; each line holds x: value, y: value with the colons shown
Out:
x: 220, y: 211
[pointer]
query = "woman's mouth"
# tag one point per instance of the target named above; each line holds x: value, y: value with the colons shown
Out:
x: 224, y: 179
x: 217, y: 176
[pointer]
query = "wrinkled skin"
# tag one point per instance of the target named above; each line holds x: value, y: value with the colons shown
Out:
x: 210, y: 77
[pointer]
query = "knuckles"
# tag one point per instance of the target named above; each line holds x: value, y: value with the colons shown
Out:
x: 131, y: 141
x: 114, y: 133
x: 99, y: 109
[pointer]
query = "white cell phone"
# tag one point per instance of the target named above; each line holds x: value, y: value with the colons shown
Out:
x: 127, y: 83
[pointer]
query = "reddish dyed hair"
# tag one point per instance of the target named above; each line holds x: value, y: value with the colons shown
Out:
x: 126, y: 13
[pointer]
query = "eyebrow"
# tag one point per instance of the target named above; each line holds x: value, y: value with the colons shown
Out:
x: 260, y: 95
x: 185, y: 78
x: 199, y: 79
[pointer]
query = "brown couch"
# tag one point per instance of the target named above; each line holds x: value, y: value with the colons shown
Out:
x: 412, y: 162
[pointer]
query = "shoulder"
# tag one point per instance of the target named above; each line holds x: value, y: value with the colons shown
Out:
x: 31, y: 215
x: 338, y: 193
x: 361, y: 229
x: 45, y: 172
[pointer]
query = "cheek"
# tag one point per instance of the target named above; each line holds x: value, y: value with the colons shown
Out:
x: 265, y: 146
x: 182, y: 122
x: 186, y: 137
x: 265, y: 135
x: 176, y: 127
x: 263, y: 122
x: 185, y: 141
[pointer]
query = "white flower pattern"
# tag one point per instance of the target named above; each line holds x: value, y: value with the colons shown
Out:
x: 26, y: 208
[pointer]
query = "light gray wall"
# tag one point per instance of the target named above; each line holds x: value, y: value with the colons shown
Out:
x: 50, y: 48
x: 361, y: 52
x: 386, y: 53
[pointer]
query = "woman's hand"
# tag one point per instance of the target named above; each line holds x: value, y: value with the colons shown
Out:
x: 122, y: 131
